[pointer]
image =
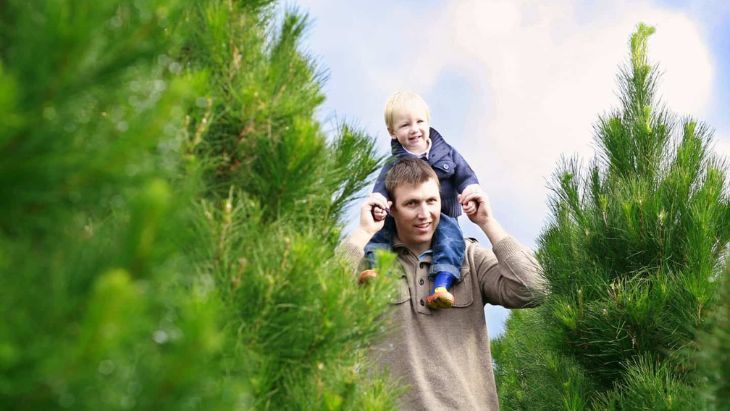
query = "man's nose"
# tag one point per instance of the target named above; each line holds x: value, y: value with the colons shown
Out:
x: 422, y: 211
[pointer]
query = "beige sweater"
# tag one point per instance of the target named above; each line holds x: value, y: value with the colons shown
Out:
x: 444, y: 355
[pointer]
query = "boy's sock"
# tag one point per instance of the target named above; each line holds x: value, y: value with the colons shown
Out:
x: 443, y: 279
x: 440, y: 296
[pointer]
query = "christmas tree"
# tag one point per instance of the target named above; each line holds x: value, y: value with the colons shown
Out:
x: 94, y: 311
x: 633, y: 254
x: 275, y: 191
x: 713, y: 358
x: 170, y: 208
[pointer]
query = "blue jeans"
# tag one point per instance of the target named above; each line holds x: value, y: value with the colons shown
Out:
x: 447, y: 246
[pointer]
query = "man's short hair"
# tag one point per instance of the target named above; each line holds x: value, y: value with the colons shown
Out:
x: 408, y: 170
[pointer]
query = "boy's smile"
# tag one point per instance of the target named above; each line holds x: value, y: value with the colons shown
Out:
x: 411, y: 127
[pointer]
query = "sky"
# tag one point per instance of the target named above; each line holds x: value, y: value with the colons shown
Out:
x: 515, y: 85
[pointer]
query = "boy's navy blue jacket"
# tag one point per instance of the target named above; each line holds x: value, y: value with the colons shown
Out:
x: 452, y: 170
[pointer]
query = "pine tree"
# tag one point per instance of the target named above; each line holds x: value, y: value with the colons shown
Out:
x: 99, y: 308
x: 633, y: 255
x: 275, y: 191
x: 713, y: 357
x: 170, y: 208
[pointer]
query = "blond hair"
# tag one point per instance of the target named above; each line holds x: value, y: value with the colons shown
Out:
x: 398, y: 101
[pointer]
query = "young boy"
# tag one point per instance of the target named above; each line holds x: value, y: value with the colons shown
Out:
x: 408, y: 120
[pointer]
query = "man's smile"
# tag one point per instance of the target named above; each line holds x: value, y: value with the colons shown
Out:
x: 417, y: 210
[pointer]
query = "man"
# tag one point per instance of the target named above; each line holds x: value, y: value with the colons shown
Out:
x: 443, y: 356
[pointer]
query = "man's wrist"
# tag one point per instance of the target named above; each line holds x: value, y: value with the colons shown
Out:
x: 360, y: 236
x: 493, y: 230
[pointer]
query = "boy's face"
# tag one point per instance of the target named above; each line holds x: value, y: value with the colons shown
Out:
x: 411, y: 127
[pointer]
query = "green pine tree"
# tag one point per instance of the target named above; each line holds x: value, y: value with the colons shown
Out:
x: 99, y: 308
x: 713, y: 356
x: 633, y: 255
x: 170, y: 208
x: 275, y: 191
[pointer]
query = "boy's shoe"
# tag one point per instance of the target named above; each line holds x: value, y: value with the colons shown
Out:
x: 366, y: 276
x: 441, y: 298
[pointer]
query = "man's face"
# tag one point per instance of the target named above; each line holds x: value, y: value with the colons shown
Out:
x: 416, y: 210
x: 411, y: 127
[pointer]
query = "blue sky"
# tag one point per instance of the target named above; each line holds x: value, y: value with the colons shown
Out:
x: 515, y: 85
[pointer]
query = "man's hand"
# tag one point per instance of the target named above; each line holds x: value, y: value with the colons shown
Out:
x: 379, y: 213
x: 469, y: 207
x: 482, y: 214
x: 372, y: 213
x: 476, y: 205
x: 369, y: 225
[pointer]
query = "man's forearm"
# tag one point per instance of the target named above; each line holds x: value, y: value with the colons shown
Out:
x: 359, y: 237
x: 351, y: 248
x: 493, y: 231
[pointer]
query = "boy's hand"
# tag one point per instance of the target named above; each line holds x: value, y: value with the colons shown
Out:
x: 378, y: 212
x: 372, y: 213
x: 483, y: 216
x: 477, y: 206
x: 469, y: 206
x: 368, y: 224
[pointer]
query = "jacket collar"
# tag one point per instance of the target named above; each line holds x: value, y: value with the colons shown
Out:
x: 439, y: 148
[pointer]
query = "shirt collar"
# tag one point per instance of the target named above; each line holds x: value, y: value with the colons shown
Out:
x: 397, y: 243
x: 423, y: 155
x: 426, y: 255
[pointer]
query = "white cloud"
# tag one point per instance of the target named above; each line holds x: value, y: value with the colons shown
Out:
x: 721, y: 146
x: 538, y: 74
x: 547, y: 73
x: 685, y: 62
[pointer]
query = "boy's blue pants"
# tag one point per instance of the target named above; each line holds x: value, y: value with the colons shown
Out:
x: 447, y: 246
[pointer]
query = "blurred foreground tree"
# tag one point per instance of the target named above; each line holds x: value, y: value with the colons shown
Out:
x: 98, y: 307
x: 633, y: 255
x: 169, y: 211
